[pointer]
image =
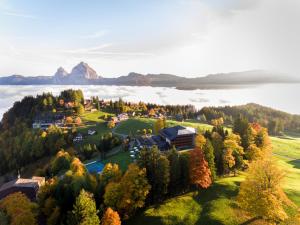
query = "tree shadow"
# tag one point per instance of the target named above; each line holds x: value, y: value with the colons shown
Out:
x: 206, y: 196
x: 295, y: 163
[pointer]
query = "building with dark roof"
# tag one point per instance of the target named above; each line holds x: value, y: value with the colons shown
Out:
x: 29, y: 187
x: 179, y: 136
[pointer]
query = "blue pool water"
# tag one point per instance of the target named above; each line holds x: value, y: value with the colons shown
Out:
x: 94, y: 167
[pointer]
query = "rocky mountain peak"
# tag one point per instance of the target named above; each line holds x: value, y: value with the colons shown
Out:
x: 83, y: 70
x: 61, y: 72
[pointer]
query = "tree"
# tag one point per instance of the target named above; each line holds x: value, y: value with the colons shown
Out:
x: 261, y: 193
x: 158, y: 172
x: 110, y: 172
x: 111, y: 124
x: 233, y: 153
x: 228, y: 160
x: 85, y: 211
x: 200, y: 174
x: 20, y: 210
x: 159, y: 124
x: 175, y: 171
x: 200, y: 141
x: 208, y: 150
x: 110, y: 217
x: 62, y: 161
x: 130, y: 193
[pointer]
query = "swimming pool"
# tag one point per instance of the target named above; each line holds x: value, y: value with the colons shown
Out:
x: 94, y: 167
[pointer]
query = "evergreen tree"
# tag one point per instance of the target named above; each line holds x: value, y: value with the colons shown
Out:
x: 208, y: 150
x: 85, y: 211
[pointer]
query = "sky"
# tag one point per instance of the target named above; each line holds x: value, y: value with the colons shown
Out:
x: 183, y: 37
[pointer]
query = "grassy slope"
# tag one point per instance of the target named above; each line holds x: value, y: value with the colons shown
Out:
x: 93, y: 122
x: 212, y: 206
x: 287, y: 154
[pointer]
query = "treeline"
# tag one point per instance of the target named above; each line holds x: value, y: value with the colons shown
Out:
x: 276, y: 121
x: 121, y: 106
x: 31, y: 107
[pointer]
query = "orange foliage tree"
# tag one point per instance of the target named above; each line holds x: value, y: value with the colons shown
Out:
x: 200, y: 174
x: 110, y: 217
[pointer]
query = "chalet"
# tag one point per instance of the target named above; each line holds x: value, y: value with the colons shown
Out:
x: 29, y: 187
x: 179, y: 136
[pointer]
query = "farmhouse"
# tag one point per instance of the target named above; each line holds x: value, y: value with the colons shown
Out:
x: 29, y: 187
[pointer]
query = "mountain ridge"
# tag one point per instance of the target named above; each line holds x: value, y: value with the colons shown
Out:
x: 83, y: 74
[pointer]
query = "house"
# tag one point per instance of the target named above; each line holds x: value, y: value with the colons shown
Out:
x: 78, y: 138
x: 91, y: 132
x: 46, y: 120
x: 29, y: 187
x: 122, y: 117
x: 179, y: 136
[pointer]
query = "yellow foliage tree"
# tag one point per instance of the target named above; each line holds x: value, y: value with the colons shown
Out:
x: 159, y: 124
x: 261, y: 193
x: 20, y: 209
x: 200, y: 141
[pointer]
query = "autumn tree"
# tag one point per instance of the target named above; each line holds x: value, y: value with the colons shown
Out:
x: 111, y: 124
x: 20, y: 210
x: 110, y: 217
x: 84, y: 210
x: 130, y: 193
x: 199, y: 141
x: 200, y: 174
x: 233, y: 153
x: 159, y: 124
x: 261, y: 193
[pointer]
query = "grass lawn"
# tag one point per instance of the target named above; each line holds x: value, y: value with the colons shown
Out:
x: 95, y: 116
x: 132, y: 125
x: 212, y: 206
x: 123, y: 159
x: 92, y: 121
x: 287, y: 153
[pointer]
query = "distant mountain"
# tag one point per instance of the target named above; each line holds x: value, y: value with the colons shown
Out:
x: 83, y: 74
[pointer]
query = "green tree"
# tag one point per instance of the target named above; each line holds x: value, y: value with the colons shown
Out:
x: 158, y: 172
x: 85, y: 211
x: 175, y: 171
x: 208, y: 150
